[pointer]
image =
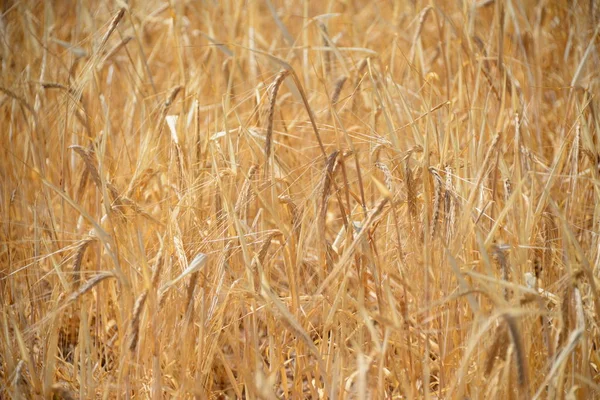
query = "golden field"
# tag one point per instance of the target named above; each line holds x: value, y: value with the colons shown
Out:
x: 300, y: 199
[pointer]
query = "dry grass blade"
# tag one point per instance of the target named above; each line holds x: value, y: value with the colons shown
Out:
x: 126, y: 201
x: 480, y: 175
x: 197, y: 264
x: 286, y: 34
x: 111, y: 53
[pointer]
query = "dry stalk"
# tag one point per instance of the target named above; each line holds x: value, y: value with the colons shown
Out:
x: 76, y: 98
x: 357, y: 81
x: 376, y: 151
x: 126, y: 201
x: 110, y: 54
x: 190, y: 293
x: 140, y: 181
x: 222, y: 265
x: 486, y: 67
x: 358, y: 240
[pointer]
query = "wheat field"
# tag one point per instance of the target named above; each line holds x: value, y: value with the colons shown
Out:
x: 295, y: 199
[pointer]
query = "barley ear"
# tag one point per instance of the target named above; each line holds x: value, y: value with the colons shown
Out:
x: 437, y: 197
x: 339, y: 84
x: 519, y: 350
x: 325, y: 190
x: 497, y: 349
x: 134, y: 327
x: 272, y: 101
x: 78, y: 260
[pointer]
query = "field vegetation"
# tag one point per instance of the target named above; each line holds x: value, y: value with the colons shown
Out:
x: 300, y: 199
